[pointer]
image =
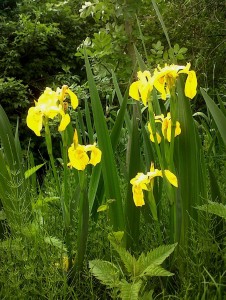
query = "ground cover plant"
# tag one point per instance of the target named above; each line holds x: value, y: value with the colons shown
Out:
x: 130, y: 203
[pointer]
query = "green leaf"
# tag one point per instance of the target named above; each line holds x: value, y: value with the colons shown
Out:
x: 105, y: 271
x: 161, y: 21
x: 130, y: 291
x: 154, y: 270
x: 217, y: 114
x: 214, y: 186
x: 103, y: 207
x: 57, y: 243
x: 153, y: 257
x: 214, y: 208
x: 109, y: 170
x: 31, y: 171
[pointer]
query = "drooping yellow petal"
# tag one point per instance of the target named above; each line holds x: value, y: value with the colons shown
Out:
x: 139, y: 183
x: 95, y: 157
x: 34, y: 120
x: 138, y: 196
x: 65, y: 120
x: 171, y: 178
x: 74, y: 98
x: 190, y: 89
x: 134, y: 90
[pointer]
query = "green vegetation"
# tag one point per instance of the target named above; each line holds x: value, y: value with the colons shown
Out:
x: 112, y: 181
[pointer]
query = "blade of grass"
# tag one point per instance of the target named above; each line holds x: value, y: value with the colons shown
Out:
x: 161, y: 21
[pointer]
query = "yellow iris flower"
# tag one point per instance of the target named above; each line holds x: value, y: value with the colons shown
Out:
x: 146, y: 181
x: 166, y: 128
x: 78, y: 156
x: 49, y: 105
x: 163, y: 80
x: 141, y: 88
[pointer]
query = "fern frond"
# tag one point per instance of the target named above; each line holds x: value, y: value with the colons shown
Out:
x: 105, y: 271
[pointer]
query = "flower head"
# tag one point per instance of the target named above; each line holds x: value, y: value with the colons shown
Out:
x: 78, y: 156
x: 141, y: 88
x: 49, y: 105
x: 143, y: 182
x: 165, y: 78
x: 166, y: 128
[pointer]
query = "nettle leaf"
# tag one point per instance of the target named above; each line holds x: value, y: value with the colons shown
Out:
x: 214, y: 208
x: 130, y: 291
x: 105, y: 271
x: 154, y: 270
x: 154, y: 257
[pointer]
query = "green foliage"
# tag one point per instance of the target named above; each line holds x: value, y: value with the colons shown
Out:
x: 135, y: 271
x: 215, y: 208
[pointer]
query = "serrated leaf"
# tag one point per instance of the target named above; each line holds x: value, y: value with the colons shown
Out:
x: 154, y: 257
x: 52, y: 240
x: 214, y: 208
x: 128, y: 260
x: 31, y: 171
x: 105, y: 271
x: 130, y: 291
x: 154, y: 270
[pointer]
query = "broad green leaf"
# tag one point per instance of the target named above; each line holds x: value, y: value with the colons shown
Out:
x: 217, y: 114
x: 105, y: 271
x: 214, y: 208
x: 130, y: 290
x: 132, y: 213
x: 31, y: 171
x: 109, y: 170
x: 190, y: 169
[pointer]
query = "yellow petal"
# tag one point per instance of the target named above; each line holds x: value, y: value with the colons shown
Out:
x: 65, y: 120
x: 191, y: 85
x: 138, y: 196
x: 152, y: 136
x: 95, y: 156
x: 75, y: 139
x: 78, y: 157
x: 171, y: 178
x: 74, y: 98
x: 34, y: 120
x: 134, y: 90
